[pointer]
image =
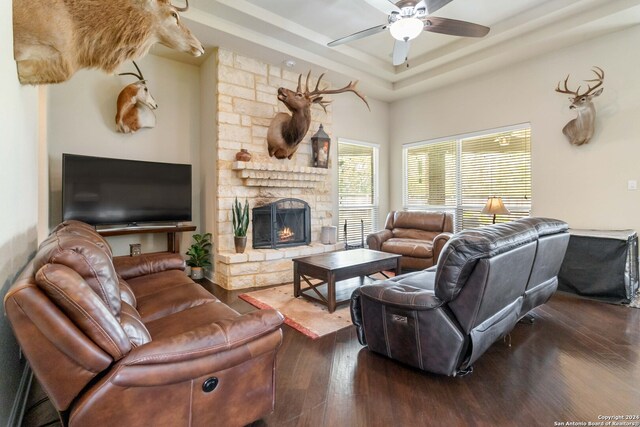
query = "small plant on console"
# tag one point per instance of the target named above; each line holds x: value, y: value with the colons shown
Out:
x: 199, y: 255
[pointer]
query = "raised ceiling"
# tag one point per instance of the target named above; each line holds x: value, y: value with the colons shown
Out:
x: 278, y: 30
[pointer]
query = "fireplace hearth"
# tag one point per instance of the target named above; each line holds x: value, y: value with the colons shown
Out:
x: 284, y: 223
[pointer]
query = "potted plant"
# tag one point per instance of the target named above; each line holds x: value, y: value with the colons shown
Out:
x: 240, y: 224
x: 199, y: 255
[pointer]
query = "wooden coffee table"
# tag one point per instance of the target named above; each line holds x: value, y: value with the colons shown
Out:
x: 345, y: 270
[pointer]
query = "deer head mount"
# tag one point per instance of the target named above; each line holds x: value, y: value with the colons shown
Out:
x: 580, y: 130
x: 135, y: 105
x: 55, y: 38
x: 286, y: 131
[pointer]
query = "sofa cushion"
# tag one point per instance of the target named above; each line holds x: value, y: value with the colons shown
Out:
x: 71, y: 293
x: 72, y: 222
x: 129, y: 267
x: 151, y: 283
x: 133, y: 326
x: 126, y: 293
x: 409, y: 247
x: 92, y: 262
x: 172, y: 300
x: 464, y: 249
x: 78, y: 228
x: 413, y: 233
x: 189, y: 319
x: 546, y: 226
x: 423, y: 279
x: 427, y: 221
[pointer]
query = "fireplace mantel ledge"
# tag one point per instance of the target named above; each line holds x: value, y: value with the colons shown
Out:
x: 257, y: 255
x: 268, y: 174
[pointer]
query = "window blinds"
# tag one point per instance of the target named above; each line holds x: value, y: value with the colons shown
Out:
x: 357, y: 190
x: 459, y: 175
x: 497, y: 164
x: 431, y: 175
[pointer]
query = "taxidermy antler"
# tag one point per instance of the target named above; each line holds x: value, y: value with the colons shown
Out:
x: 135, y: 105
x: 286, y: 131
x: 580, y: 130
x: 55, y: 38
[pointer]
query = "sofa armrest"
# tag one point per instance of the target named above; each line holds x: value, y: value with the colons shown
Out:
x: 201, y: 351
x: 399, y: 295
x: 135, y: 266
x: 438, y: 243
x: 388, y: 292
x: 213, y: 338
x: 375, y: 240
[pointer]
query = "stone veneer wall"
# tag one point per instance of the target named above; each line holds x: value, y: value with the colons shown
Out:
x: 246, y: 103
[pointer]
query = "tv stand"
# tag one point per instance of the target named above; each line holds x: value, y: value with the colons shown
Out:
x: 173, y: 231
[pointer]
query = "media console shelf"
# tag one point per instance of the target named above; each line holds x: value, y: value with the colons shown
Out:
x: 173, y: 231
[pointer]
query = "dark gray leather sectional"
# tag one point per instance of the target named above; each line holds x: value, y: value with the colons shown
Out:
x: 444, y: 318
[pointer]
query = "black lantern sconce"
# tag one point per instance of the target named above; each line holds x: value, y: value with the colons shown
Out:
x: 320, y: 144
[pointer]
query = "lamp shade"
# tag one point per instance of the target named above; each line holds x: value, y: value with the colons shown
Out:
x: 495, y: 206
x: 406, y: 29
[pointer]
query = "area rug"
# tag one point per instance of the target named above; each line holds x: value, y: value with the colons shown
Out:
x: 310, y: 318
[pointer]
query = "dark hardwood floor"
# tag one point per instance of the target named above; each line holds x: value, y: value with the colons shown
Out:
x: 578, y: 361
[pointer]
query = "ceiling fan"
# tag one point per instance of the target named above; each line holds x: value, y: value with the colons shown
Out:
x: 408, y: 18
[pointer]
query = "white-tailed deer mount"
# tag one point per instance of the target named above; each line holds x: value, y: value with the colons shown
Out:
x: 580, y: 130
x: 135, y: 105
x: 55, y: 38
x: 286, y: 131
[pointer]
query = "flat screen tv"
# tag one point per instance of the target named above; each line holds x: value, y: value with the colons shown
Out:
x: 102, y: 191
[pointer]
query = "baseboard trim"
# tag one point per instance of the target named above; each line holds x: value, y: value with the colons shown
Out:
x: 20, y: 401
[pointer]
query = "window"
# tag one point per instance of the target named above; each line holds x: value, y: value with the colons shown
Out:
x: 357, y: 189
x: 458, y: 174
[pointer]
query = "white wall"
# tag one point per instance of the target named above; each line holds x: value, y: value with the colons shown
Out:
x: 352, y: 120
x: 208, y: 145
x: 19, y: 190
x: 585, y: 186
x: 81, y: 116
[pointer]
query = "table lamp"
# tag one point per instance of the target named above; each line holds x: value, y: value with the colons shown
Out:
x: 495, y: 207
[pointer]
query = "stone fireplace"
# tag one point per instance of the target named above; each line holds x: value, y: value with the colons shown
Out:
x: 285, y: 223
x: 246, y: 103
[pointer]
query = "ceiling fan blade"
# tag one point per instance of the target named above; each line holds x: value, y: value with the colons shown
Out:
x: 385, y: 6
x: 360, y: 34
x: 453, y: 27
x: 433, y: 5
x: 400, y: 52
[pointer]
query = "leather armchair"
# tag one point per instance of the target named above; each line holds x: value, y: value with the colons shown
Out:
x: 444, y: 318
x: 135, y: 341
x: 418, y: 236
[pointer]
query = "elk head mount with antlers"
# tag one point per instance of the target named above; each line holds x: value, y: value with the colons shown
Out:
x: 135, y: 105
x: 286, y: 131
x: 580, y: 130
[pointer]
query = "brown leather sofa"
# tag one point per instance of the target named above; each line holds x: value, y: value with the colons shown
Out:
x: 417, y: 236
x: 133, y: 341
x: 444, y: 318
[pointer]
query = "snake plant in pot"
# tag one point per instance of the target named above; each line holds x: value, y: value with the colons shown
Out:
x: 199, y: 255
x: 240, y: 224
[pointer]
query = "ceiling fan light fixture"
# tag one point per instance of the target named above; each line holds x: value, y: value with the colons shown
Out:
x: 406, y: 29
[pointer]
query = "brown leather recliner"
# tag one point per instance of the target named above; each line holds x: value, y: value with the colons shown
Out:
x: 417, y: 236
x: 133, y: 341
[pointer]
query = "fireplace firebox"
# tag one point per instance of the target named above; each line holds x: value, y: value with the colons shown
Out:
x: 284, y: 223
